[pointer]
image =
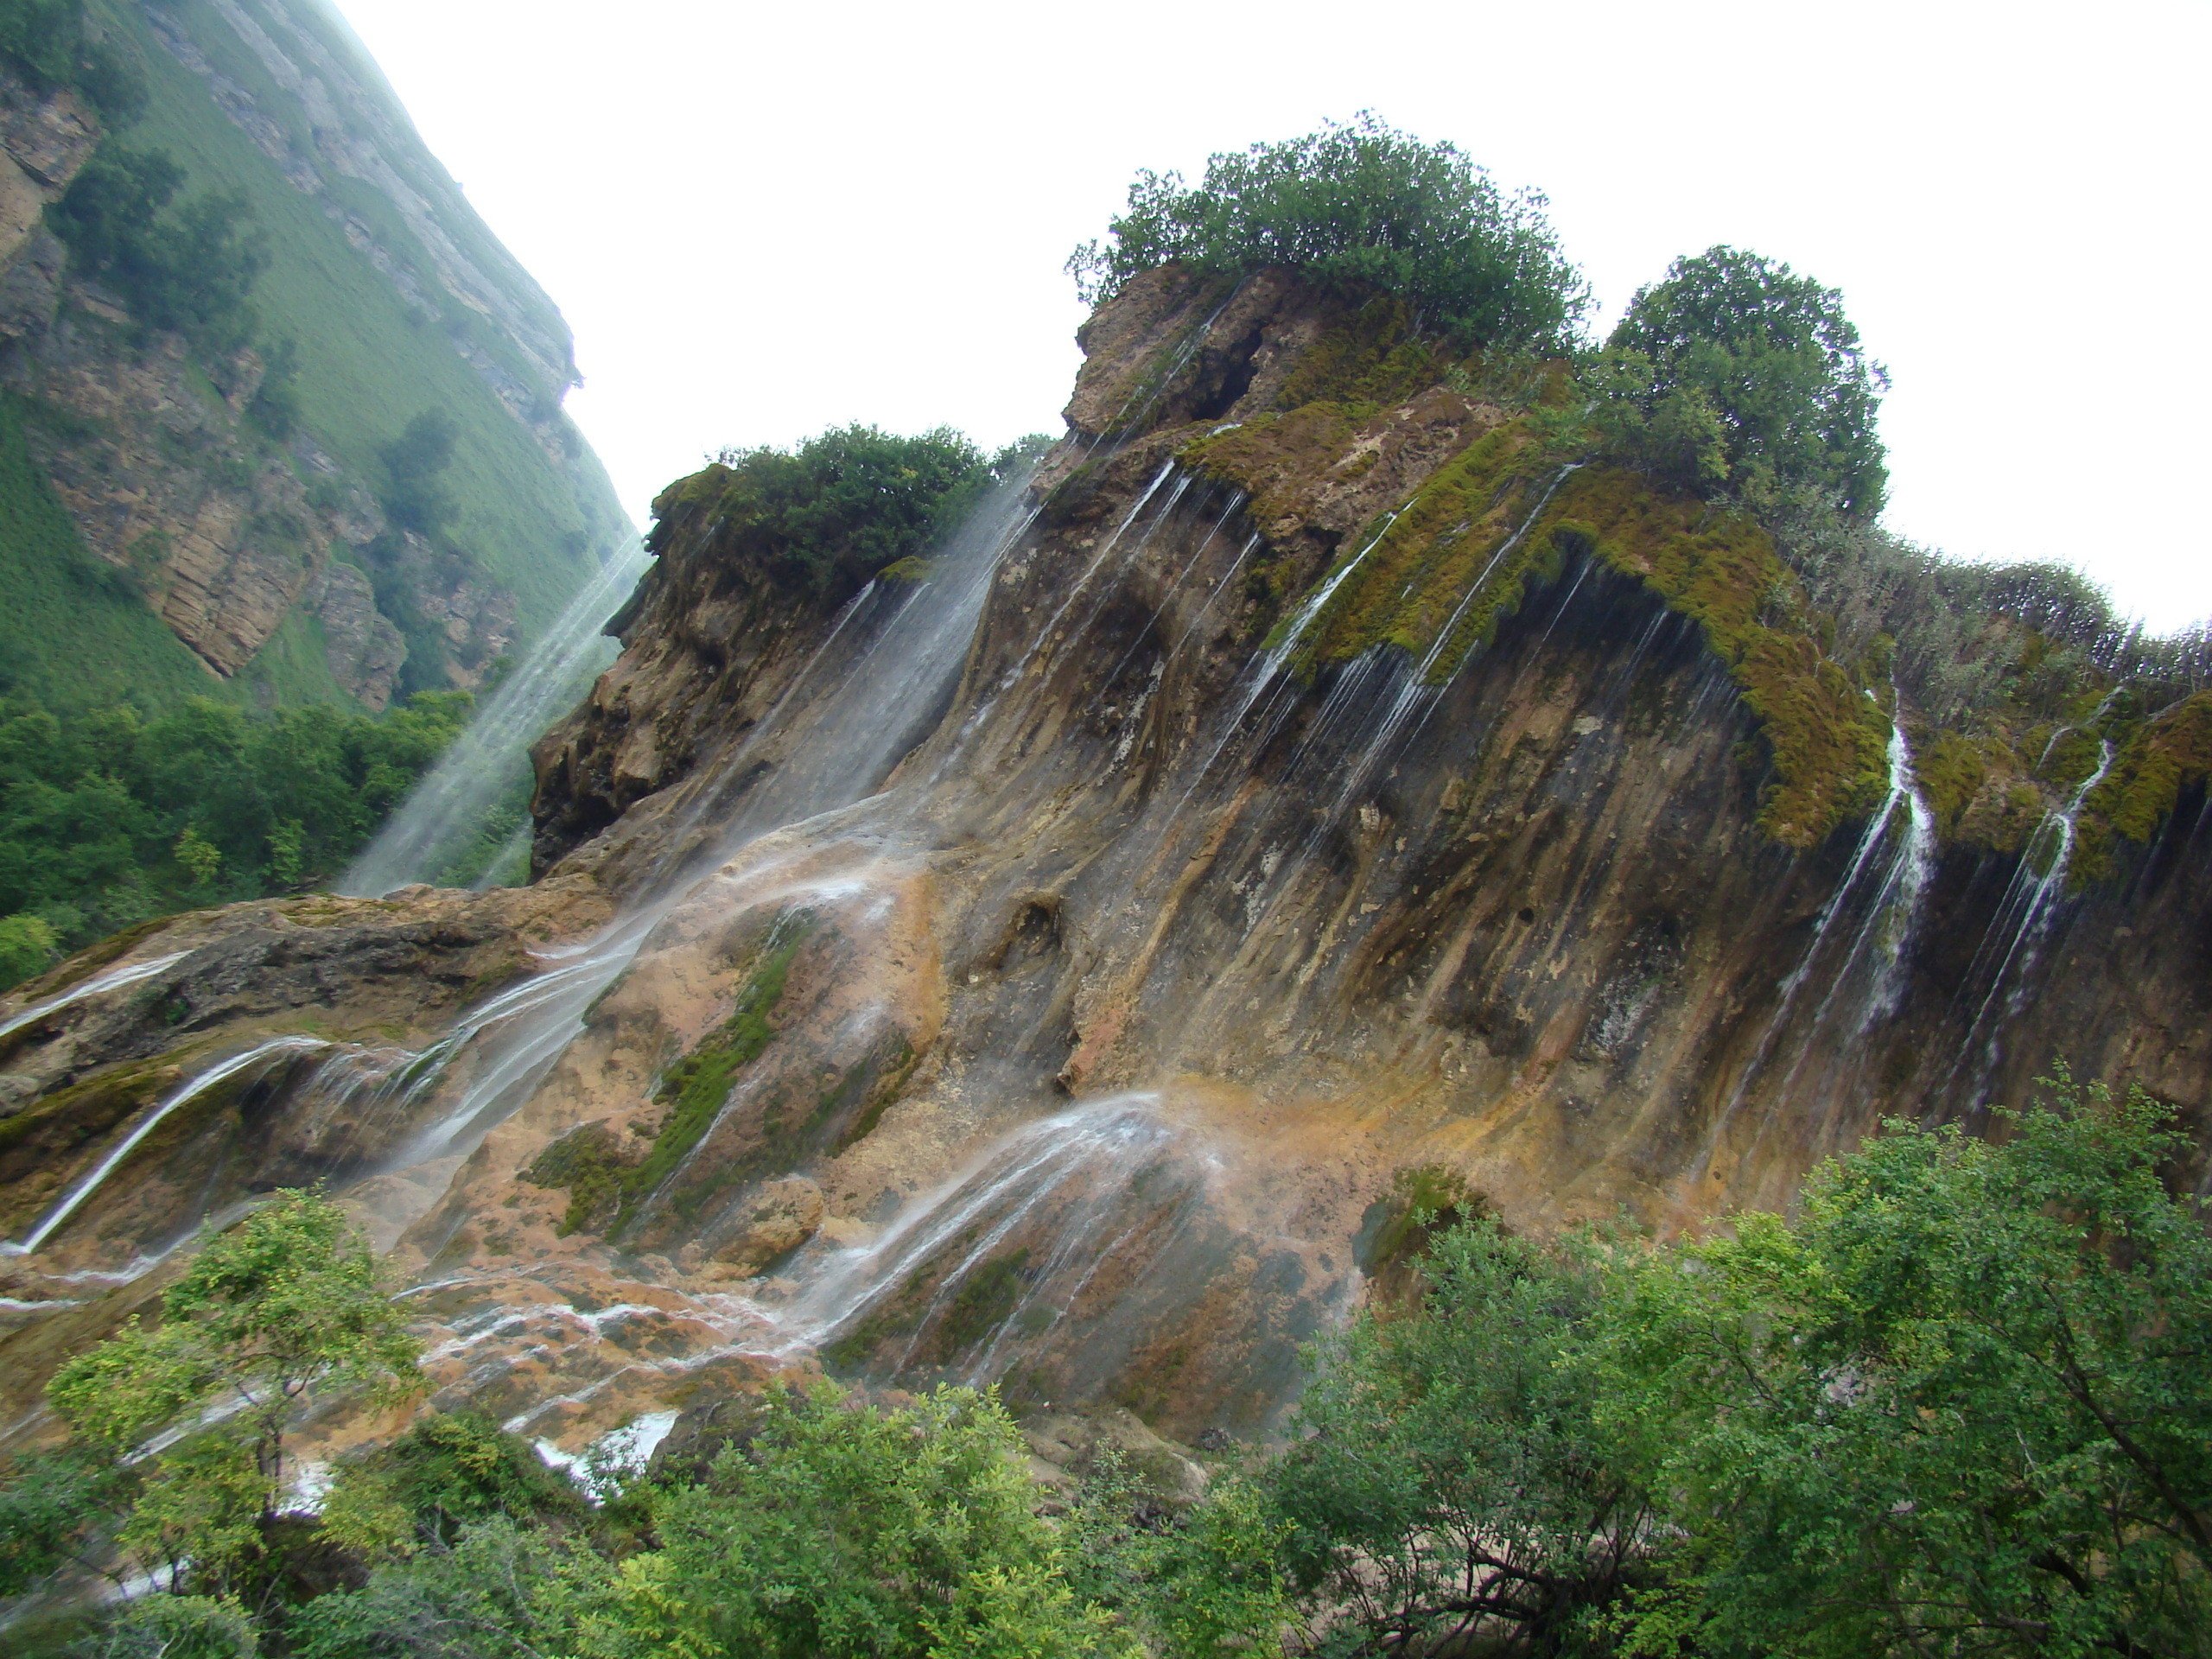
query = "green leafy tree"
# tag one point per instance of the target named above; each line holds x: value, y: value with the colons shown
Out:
x: 288, y: 1301
x: 450, y: 1470
x: 188, y: 268
x: 1734, y: 375
x: 1359, y: 206
x: 501, y: 1590
x: 416, y: 495
x: 842, y: 1532
x: 1962, y: 1405
x: 47, y: 41
x: 1452, y: 1483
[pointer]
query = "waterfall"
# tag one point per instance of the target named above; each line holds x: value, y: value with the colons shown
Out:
x: 2023, y: 918
x: 114, y: 980
x: 1416, y: 692
x: 447, y: 812
x: 70, y: 1201
x: 1075, y: 1172
x: 827, y: 753
x: 1886, y: 929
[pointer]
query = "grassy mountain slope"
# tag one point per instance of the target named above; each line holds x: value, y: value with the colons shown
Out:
x: 368, y: 361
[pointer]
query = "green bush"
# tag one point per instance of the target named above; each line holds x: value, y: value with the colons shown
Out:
x: 46, y: 42
x: 1962, y: 1404
x: 1733, y: 375
x: 1359, y: 206
x: 822, y: 520
x: 190, y: 269
x: 414, y: 496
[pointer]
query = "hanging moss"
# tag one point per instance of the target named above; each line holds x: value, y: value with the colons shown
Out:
x: 1372, y: 359
x: 2156, y: 761
x: 1278, y: 461
x: 588, y: 1161
x: 1951, y: 768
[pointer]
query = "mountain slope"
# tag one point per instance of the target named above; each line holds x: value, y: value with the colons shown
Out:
x: 1044, y: 966
x: 379, y: 297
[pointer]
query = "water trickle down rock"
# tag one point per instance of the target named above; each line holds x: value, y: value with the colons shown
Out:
x: 840, y: 907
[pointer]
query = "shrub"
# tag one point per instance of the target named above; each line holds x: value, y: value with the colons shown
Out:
x: 190, y: 269
x: 414, y: 496
x: 1359, y: 206
x: 27, y: 947
x: 46, y: 42
x: 822, y: 520
x: 1735, y: 375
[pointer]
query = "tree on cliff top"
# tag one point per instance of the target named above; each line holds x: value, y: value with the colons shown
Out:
x: 842, y: 507
x: 1735, y: 375
x: 1357, y: 206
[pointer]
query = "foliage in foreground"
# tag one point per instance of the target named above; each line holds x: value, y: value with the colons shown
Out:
x: 1359, y: 207
x: 1962, y: 1404
x: 107, y: 819
x: 1958, y: 1406
x: 176, y: 1465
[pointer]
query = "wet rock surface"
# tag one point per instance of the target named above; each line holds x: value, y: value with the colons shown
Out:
x: 1040, y: 977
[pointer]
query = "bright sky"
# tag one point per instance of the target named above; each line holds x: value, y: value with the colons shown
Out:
x: 761, y: 220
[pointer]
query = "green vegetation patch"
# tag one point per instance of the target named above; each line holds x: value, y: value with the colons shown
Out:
x: 697, y: 1087
x: 854, y: 503
x: 1360, y: 207
x: 1501, y: 518
x: 108, y: 818
x: 2155, y: 763
x: 1829, y: 739
x: 607, y: 1186
x: 588, y: 1161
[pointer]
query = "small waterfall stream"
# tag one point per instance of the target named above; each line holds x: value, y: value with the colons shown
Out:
x: 115, y: 979
x: 447, y: 812
x: 2011, y: 947
x: 68, y: 1204
x: 1864, y: 980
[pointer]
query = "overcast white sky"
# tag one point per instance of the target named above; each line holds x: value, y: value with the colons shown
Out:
x: 763, y: 220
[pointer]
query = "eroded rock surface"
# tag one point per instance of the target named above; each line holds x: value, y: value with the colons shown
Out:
x: 1041, y: 974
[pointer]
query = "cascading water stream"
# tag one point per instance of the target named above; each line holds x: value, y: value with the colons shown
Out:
x: 449, y: 809
x: 2023, y: 918
x: 1886, y: 927
x: 114, y: 980
x: 1048, y: 1161
x: 836, y: 749
x: 70, y: 1201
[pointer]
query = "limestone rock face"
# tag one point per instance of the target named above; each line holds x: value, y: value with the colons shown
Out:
x: 1040, y: 975
x: 366, y: 651
x: 775, y: 1221
x: 45, y: 141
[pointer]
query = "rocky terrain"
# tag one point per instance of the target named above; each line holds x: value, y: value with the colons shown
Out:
x: 229, y: 529
x: 1041, y: 967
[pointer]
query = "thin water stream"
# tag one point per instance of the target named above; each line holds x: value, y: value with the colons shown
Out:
x: 451, y: 808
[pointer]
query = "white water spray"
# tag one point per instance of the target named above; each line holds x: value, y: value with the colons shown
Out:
x: 114, y: 980
x: 71, y: 1201
x: 445, y: 813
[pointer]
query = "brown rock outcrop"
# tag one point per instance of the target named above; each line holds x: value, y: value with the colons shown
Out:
x: 1040, y: 975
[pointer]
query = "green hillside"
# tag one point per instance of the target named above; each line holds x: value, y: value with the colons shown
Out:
x: 368, y: 363
x: 271, y: 343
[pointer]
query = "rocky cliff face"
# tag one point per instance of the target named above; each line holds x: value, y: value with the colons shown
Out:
x: 1041, y: 971
x: 389, y: 295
